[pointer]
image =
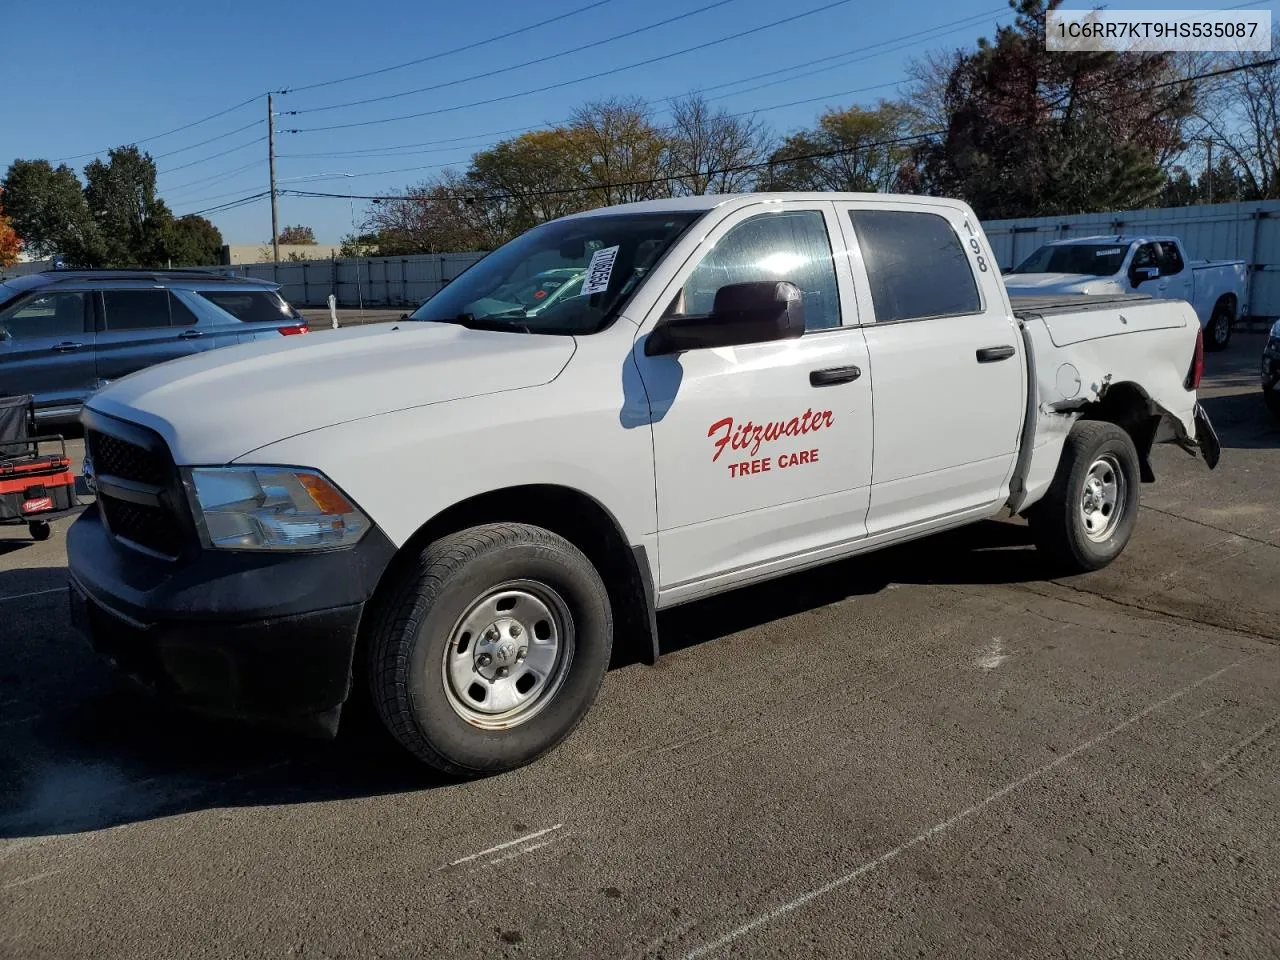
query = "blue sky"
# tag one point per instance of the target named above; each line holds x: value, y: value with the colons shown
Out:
x: 128, y: 70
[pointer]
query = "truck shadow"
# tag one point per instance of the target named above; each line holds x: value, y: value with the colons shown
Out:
x: 81, y: 749
x: 1243, y: 421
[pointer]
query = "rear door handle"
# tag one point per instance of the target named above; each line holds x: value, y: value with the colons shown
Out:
x: 833, y: 375
x: 992, y: 354
x: 66, y: 346
x: 190, y: 334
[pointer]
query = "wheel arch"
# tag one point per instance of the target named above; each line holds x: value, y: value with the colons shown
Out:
x: 579, y: 518
x: 1127, y: 405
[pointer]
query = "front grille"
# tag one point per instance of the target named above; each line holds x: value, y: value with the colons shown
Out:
x: 152, y: 527
x: 126, y: 460
x: 159, y: 526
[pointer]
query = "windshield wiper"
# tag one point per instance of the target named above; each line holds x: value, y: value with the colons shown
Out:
x: 493, y: 322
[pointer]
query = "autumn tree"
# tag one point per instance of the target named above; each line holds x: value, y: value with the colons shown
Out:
x: 10, y: 244
x: 618, y: 150
x: 854, y: 149
x: 298, y: 235
x: 1033, y: 133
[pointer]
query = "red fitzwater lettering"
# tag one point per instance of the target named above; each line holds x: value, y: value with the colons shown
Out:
x: 749, y: 437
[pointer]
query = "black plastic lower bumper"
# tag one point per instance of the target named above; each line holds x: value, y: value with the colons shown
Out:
x: 267, y: 638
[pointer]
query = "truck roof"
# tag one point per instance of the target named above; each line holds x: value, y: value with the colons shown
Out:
x: 1118, y: 238
x: 711, y: 201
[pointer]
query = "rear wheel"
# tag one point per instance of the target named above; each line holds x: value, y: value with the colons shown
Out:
x: 39, y: 529
x: 490, y: 648
x: 1088, y: 514
x: 1218, y: 332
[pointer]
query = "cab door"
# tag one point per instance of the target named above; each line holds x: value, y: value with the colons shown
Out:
x: 948, y: 361
x: 46, y: 350
x: 762, y: 452
x: 1174, y: 281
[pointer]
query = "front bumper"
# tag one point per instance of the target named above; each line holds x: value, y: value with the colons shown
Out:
x: 267, y: 638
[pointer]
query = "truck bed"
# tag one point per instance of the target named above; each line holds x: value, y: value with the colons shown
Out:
x: 1024, y: 307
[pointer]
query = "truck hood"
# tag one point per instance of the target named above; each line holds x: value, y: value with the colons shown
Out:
x: 220, y: 404
x: 1047, y: 284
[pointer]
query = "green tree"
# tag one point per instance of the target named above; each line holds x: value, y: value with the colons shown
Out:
x: 48, y: 210
x: 192, y: 241
x: 854, y: 149
x: 1033, y: 133
x: 132, y: 221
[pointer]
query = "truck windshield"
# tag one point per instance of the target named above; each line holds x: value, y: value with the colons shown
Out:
x: 565, y: 277
x: 1094, y: 259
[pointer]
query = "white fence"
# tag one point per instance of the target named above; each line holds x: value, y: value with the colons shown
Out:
x: 1219, y: 231
x: 373, y: 281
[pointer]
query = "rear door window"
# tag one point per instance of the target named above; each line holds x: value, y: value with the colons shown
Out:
x: 251, y: 306
x: 916, y: 265
x: 1170, y: 259
x: 49, y: 315
x: 136, y: 309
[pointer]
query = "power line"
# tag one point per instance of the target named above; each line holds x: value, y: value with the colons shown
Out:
x: 231, y: 205
x: 211, y: 179
x: 446, y: 53
x: 594, y: 76
x: 202, y: 143
x: 571, y: 51
x: 168, y: 133
x: 213, y: 156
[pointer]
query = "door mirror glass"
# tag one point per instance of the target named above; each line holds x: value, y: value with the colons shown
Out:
x: 743, y: 313
x: 1138, y: 275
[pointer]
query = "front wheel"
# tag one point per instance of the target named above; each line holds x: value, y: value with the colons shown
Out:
x: 490, y: 648
x: 1217, y: 334
x: 1088, y: 514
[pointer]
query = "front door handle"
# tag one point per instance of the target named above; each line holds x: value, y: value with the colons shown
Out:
x: 190, y: 334
x: 833, y: 375
x: 993, y: 354
x: 67, y: 346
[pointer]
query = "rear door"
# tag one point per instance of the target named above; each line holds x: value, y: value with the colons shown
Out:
x: 141, y: 327
x: 46, y: 349
x: 947, y: 363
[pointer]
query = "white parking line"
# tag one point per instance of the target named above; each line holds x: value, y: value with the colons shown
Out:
x: 509, y: 843
x: 37, y: 593
x: 943, y: 826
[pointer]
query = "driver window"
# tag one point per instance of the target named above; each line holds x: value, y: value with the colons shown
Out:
x: 789, y: 245
x: 50, y: 315
x: 1145, y: 256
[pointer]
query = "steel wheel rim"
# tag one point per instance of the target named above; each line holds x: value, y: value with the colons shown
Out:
x: 1221, y: 326
x: 508, y: 655
x: 1102, y: 499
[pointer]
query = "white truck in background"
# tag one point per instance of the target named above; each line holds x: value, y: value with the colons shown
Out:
x: 1154, y: 265
x: 459, y: 510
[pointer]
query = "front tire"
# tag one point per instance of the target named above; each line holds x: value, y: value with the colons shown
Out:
x: 490, y: 648
x: 1217, y: 333
x: 1089, y: 512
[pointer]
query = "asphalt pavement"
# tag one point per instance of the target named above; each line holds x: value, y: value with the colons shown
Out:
x: 934, y: 751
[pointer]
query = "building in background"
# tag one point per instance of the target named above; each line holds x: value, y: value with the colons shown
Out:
x: 233, y: 253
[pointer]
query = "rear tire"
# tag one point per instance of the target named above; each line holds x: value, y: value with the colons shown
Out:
x: 490, y: 648
x: 39, y: 529
x: 1217, y: 333
x: 1089, y: 512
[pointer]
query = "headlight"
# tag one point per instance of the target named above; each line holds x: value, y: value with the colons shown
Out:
x: 272, y: 508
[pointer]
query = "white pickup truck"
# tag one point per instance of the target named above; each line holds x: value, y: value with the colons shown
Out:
x: 1153, y: 265
x: 459, y: 511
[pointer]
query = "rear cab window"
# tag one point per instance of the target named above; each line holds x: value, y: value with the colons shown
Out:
x: 917, y: 267
x: 251, y: 306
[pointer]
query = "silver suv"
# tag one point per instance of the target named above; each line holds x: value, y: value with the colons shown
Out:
x: 66, y: 333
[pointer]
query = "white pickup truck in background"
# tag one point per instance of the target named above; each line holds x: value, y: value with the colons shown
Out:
x: 1153, y: 265
x: 455, y: 511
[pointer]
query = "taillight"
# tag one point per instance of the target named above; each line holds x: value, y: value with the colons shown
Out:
x: 295, y: 328
x: 1197, y: 364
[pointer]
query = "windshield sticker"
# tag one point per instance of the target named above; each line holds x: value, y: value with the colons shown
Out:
x: 1107, y: 253
x: 599, y: 270
x: 748, y: 438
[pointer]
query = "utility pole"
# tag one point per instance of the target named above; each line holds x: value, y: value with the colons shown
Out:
x: 1209, y: 172
x: 271, y: 163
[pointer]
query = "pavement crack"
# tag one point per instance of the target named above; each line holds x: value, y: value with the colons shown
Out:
x: 1211, y: 526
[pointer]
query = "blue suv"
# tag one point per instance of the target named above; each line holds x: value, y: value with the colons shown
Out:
x: 66, y: 333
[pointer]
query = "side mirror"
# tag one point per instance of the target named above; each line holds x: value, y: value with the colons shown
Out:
x: 1138, y: 275
x: 743, y: 313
